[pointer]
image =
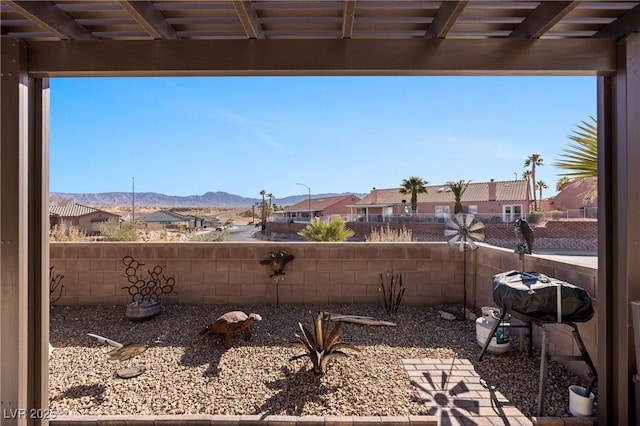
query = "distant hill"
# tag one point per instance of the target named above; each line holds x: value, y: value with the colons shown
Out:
x: 154, y: 199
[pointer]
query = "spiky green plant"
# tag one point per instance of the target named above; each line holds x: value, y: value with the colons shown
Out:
x: 580, y: 159
x: 321, y: 346
x: 392, y: 292
x: 326, y: 230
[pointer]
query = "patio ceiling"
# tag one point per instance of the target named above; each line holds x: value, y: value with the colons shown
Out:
x: 223, y: 20
x: 92, y: 38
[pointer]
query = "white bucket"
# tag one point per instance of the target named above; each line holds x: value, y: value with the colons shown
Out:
x: 579, y: 404
x: 500, y: 342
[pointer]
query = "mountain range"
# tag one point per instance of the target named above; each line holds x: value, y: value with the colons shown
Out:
x: 216, y: 199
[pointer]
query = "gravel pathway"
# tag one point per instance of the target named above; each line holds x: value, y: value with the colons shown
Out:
x: 192, y: 374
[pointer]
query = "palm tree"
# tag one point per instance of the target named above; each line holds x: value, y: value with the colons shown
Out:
x: 458, y: 189
x: 541, y: 185
x: 263, y: 210
x: 562, y: 183
x: 580, y: 159
x: 526, y: 175
x: 271, y: 197
x: 533, y: 161
x: 414, y: 186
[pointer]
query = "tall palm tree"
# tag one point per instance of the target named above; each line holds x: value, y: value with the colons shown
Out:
x: 580, y: 159
x: 271, y: 197
x: 533, y: 161
x: 263, y: 225
x: 541, y: 185
x: 526, y: 175
x: 458, y: 188
x: 414, y: 186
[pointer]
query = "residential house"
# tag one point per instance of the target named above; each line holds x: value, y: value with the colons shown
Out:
x: 87, y: 219
x: 319, y: 207
x: 162, y: 219
x: 493, y: 201
x: 578, y: 199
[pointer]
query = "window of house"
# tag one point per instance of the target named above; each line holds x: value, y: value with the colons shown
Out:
x: 442, y: 213
x: 511, y: 212
x: 470, y: 209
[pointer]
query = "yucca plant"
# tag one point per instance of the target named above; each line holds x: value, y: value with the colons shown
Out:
x: 392, y: 292
x: 321, y: 346
x: 326, y: 230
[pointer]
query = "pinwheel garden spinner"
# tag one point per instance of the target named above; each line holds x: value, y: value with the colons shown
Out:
x: 464, y: 230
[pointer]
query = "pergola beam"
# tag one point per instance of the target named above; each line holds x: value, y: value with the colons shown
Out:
x: 323, y: 57
x: 446, y: 16
x: 543, y: 18
x: 626, y: 24
x: 249, y: 19
x: 51, y: 19
x: 348, y: 19
x: 150, y: 18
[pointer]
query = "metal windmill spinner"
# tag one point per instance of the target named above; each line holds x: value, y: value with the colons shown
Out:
x: 464, y: 231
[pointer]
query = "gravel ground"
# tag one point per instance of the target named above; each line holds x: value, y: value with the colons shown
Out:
x: 193, y: 374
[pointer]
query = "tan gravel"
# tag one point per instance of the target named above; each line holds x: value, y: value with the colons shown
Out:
x: 192, y: 374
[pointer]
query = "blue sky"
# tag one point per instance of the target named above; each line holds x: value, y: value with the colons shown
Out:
x: 188, y: 136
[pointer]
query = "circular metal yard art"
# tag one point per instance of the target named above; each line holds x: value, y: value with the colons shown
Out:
x: 464, y: 230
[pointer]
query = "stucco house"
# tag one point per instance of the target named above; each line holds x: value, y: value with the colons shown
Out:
x: 319, y: 207
x: 87, y: 219
x: 578, y: 199
x: 493, y: 201
x: 168, y: 219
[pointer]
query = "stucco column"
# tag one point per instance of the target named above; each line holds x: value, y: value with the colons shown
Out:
x: 619, y: 232
x: 24, y: 289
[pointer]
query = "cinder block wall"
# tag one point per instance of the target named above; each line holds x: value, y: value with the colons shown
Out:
x: 494, y: 260
x: 214, y: 273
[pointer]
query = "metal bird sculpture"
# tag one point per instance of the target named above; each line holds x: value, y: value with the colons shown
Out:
x: 124, y: 353
x: 277, y: 260
x: 525, y: 236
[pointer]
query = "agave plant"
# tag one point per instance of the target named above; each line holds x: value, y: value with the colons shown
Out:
x: 321, y: 346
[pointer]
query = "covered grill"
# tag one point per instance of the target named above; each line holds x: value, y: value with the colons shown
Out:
x: 531, y: 296
x: 536, y: 298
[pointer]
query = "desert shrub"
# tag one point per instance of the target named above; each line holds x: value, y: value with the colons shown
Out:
x: 213, y: 236
x: 326, y: 230
x: 535, y: 217
x: 113, y: 230
x: 388, y: 235
x: 65, y: 232
x: 556, y: 214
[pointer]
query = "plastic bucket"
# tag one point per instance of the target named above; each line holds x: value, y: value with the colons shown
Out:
x: 579, y: 404
x: 500, y: 342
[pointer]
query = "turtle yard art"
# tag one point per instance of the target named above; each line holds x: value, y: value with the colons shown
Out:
x: 230, y: 323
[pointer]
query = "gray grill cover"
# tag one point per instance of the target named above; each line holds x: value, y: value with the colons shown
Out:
x: 531, y: 296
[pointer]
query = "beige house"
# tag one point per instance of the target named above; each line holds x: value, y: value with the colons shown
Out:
x: 87, y: 219
x: 493, y: 201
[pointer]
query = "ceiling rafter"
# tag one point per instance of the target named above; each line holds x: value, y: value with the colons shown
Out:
x: 348, y: 18
x: 249, y: 19
x: 51, y: 19
x: 629, y: 22
x: 150, y: 19
x: 543, y: 18
x: 444, y: 19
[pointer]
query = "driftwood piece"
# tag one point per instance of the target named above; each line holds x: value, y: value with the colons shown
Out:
x: 358, y: 319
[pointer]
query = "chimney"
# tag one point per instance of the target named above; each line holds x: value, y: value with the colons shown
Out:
x: 374, y: 195
x: 492, y: 190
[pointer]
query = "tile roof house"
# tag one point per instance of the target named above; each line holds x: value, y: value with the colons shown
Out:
x: 88, y: 219
x: 502, y: 201
x: 167, y: 218
x: 319, y: 207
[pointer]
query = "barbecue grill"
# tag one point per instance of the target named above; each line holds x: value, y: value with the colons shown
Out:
x: 536, y: 298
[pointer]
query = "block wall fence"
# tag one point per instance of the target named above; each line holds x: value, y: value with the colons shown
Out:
x: 321, y: 273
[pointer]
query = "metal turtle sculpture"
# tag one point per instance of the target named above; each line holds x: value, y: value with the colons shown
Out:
x: 230, y: 323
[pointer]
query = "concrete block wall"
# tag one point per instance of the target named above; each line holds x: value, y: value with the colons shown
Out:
x: 492, y: 260
x: 215, y: 273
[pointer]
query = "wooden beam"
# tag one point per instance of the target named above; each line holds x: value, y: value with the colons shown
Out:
x: 323, y: 57
x: 348, y: 18
x: 51, y: 19
x: 543, y: 18
x: 444, y: 19
x: 249, y: 19
x: 628, y: 23
x: 150, y: 18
